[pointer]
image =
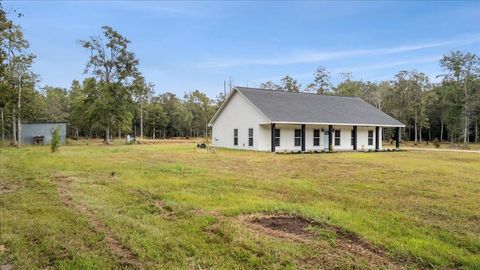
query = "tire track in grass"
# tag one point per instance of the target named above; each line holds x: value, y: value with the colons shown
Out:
x: 123, y: 255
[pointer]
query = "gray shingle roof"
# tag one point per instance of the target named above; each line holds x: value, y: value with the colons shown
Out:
x: 281, y: 106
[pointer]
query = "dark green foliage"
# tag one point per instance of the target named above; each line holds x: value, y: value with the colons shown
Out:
x: 55, y: 143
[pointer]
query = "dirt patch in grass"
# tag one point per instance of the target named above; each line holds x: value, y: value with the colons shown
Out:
x: 8, y: 188
x: 342, y: 242
x: 124, y: 255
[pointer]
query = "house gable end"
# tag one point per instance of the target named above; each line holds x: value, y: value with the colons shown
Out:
x: 228, y: 99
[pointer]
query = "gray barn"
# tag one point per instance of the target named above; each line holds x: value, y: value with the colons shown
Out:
x: 41, y: 133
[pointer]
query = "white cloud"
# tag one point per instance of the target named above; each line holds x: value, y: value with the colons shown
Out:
x: 319, y: 56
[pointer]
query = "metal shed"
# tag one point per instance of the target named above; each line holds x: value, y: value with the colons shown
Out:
x: 41, y: 133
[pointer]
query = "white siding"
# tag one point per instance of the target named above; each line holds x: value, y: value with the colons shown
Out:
x: 239, y: 114
x: 309, y: 137
x: 362, y: 139
x: 287, y: 134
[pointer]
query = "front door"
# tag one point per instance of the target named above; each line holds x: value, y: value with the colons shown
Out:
x: 325, y: 140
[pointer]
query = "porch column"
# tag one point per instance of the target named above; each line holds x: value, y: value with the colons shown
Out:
x: 354, y: 138
x: 377, y: 138
x: 303, y: 138
x: 273, y: 138
x: 330, y: 138
x: 397, y: 137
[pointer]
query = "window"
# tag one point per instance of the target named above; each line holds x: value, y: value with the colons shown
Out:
x: 235, y: 136
x: 277, y: 137
x: 353, y: 137
x: 298, y: 137
x: 316, y: 137
x: 250, y: 137
x: 370, y: 137
x: 337, y: 137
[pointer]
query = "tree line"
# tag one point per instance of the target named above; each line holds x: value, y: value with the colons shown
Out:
x: 113, y: 100
x: 448, y: 110
x: 116, y: 99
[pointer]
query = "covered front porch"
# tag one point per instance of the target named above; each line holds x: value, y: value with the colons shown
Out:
x: 285, y: 137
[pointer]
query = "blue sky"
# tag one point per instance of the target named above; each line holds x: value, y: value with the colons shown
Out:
x: 184, y: 46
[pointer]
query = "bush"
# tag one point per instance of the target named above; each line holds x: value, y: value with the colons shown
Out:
x: 55, y: 144
x: 436, y: 143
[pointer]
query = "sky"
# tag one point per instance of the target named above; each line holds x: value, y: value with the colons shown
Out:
x: 184, y: 46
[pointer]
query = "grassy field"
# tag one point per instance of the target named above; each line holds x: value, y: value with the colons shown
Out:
x: 169, y: 206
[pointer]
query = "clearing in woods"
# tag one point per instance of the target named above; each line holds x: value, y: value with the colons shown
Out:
x: 171, y: 206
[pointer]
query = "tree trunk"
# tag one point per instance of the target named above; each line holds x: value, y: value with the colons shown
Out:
x: 3, y: 124
x: 429, y: 134
x: 416, y: 130
x: 465, y: 130
x: 153, y: 135
x: 141, y: 120
x: 14, y: 128
x: 191, y: 130
x: 441, y: 130
x: 19, y: 143
x: 206, y: 128
x: 19, y: 132
x: 107, y: 135
x: 76, y: 132
x: 420, y: 135
x: 476, y: 131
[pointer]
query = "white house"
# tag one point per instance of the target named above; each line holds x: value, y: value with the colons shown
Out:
x: 268, y: 120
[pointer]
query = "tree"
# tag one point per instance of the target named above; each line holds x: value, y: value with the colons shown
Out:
x: 462, y: 68
x: 409, y: 98
x: 142, y: 92
x: 173, y: 107
x: 55, y: 143
x: 219, y: 100
x: 113, y: 65
x: 15, y: 66
x: 290, y: 85
x: 156, y: 118
x: 56, y: 104
x: 76, y: 100
x: 321, y: 83
x: 270, y: 85
x: 199, y: 109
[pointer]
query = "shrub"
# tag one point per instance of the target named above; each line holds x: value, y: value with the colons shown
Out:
x: 436, y: 143
x: 55, y: 143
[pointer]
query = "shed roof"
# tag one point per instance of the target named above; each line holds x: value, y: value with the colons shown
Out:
x: 288, y: 107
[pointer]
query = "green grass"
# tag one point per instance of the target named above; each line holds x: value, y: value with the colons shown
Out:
x: 423, y: 208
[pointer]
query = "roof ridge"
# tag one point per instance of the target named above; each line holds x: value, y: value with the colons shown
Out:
x: 305, y: 93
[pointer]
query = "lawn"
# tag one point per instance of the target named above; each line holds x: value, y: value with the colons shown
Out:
x: 169, y: 206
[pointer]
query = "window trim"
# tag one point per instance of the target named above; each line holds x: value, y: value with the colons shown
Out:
x: 297, y: 139
x: 250, y: 137
x: 316, y: 137
x: 339, y: 138
x: 235, y: 137
x: 277, y: 137
x: 370, y: 139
